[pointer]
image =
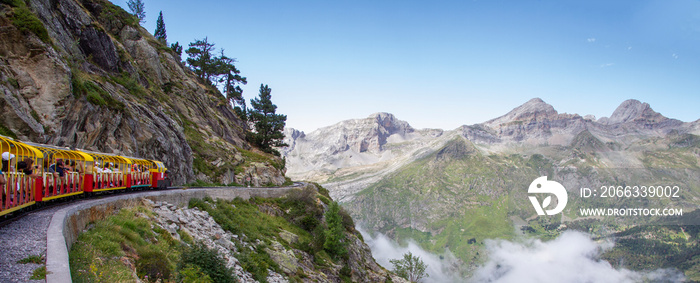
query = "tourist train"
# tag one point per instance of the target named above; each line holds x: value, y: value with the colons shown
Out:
x: 37, y: 173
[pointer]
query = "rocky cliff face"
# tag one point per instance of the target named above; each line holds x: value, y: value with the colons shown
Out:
x: 99, y: 81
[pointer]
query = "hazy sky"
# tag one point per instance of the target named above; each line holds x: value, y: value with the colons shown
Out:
x: 442, y: 64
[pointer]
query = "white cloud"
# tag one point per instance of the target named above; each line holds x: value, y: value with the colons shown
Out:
x: 385, y: 249
x: 629, y: 47
x: 607, y: 65
x: 572, y: 257
x: 674, y: 55
x: 591, y: 39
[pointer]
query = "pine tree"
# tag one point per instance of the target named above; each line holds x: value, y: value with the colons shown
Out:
x: 200, y: 58
x: 268, y: 126
x: 138, y: 8
x: 177, y: 48
x: 335, y: 243
x: 241, y: 111
x: 219, y: 71
x: 160, y: 30
x: 231, y: 79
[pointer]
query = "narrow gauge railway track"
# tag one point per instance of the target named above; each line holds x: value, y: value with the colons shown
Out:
x: 17, y: 215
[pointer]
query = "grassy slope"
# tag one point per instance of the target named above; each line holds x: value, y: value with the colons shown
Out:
x: 110, y: 249
x: 100, y: 254
x: 447, y: 196
x: 444, y: 202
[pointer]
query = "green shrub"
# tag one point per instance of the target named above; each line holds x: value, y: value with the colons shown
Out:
x: 209, y: 261
x: 27, y: 22
x: 39, y: 273
x: 335, y: 244
x: 319, y: 238
x: 114, y: 13
x: 97, y: 95
x: 13, y: 3
x: 128, y: 82
x: 154, y: 264
x: 35, y: 115
x: 186, y: 237
x: 257, y: 263
x: 167, y: 87
x: 345, y: 273
x: 323, y: 191
x: 202, y: 166
x: 302, y: 208
x: 251, y: 156
x: 13, y: 82
x: 309, y: 222
x: 348, y: 223
x: 76, y: 82
x: 36, y: 259
x: 94, y: 94
x: 193, y: 274
x: 322, y: 260
x: 83, y: 85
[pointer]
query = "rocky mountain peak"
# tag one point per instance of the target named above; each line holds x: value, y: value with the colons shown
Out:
x: 534, y: 109
x: 630, y: 110
x: 390, y: 124
x: 536, y: 101
x: 635, y: 114
x: 535, y: 105
x: 535, y: 122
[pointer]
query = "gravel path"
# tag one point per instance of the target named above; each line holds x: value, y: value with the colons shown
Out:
x: 20, y: 239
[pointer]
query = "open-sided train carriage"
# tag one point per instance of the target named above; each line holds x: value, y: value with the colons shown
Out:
x: 19, y: 191
x: 141, y: 175
x: 109, y: 172
x: 68, y: 183
x: 114, y: 172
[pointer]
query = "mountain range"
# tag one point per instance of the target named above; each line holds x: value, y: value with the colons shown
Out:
x: 452, y: 190
x: 349, y: 155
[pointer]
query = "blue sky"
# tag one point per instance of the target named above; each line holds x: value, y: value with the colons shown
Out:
x: 442, y: 64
